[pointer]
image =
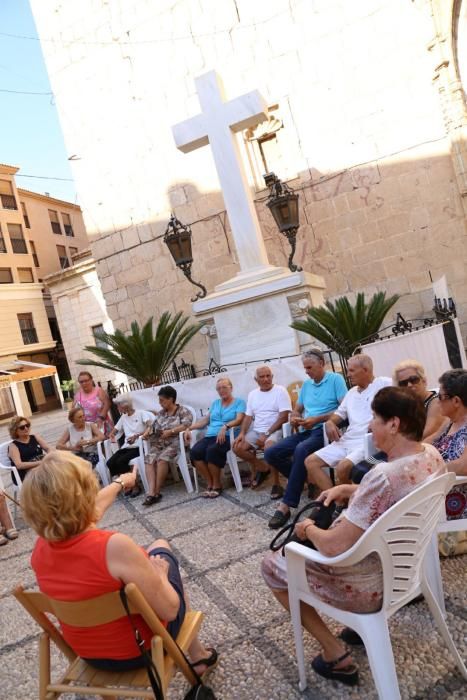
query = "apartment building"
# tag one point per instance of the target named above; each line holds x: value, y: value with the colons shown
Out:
x: 39, y: 235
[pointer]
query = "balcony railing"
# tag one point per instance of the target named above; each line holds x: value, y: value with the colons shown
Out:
x: 68, y: 229
x: 19, y: 245
x: 56, y: 227
x: 8, y: 201
x: 64, y: 262
x: 2, y: 245
x: 29, y: 336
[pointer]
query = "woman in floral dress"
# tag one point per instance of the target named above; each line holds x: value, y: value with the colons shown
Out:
x: 397, y: 427
x: 164, y: 442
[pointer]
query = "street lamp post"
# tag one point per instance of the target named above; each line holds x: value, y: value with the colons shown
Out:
x: 177, y: 238
x: 283, y: 205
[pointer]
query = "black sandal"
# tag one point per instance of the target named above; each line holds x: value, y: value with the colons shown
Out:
x: 151, y: 500
x: 210, y: 663
x: 327, y: 669
x: 259, y: 478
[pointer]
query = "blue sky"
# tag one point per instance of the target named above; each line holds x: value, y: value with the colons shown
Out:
x: 30, y: 137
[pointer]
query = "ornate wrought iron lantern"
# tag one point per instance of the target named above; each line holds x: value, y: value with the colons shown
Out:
x: 177, y: 238
x: 283, y: 205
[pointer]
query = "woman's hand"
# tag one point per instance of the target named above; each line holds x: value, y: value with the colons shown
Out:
x: 221, y: 435
x: 336, y: 494
x: 187, y: 437
x: 300, y: 528
x: 166, y: 434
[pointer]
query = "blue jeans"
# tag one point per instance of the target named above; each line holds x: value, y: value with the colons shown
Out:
x: 288, y: 457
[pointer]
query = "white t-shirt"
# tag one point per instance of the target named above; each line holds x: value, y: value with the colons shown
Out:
x: 131, y: 425
x: 265, y: 406
x: 356, y: 408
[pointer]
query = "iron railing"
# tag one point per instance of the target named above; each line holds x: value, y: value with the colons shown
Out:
x: 8, y: 201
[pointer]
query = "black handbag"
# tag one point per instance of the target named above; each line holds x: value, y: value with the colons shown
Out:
x: 196, y: 692
x: 321, y: 515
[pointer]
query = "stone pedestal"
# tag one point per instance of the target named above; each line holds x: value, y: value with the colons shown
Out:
x: 252, y: 320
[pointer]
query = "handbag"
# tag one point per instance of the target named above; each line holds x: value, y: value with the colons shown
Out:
x: 322, y: 516
x: 196, y: 692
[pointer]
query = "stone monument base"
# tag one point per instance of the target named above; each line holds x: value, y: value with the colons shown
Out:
x: 252, y: 320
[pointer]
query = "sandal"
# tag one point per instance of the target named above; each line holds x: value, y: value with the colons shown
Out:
x: 11, y: 534
x: 259, y: 478
x: 215, y: 493
x: 150, y: 500
x: 3, y: 540
x: 207, y: 493
x: 210, y: 663
x: 327, y: 669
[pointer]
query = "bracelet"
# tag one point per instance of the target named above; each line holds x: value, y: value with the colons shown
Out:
x: 119, y: 480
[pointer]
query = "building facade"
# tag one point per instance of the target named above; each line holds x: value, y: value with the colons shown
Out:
x: 367, y: 121
x: 38, y: 235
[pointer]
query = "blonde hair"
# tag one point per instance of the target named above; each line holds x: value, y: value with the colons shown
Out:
x: 73, y: 411
x: 409, y: 364
x: 225, y: 379
x: 59, y: 496
x: 13, y: 427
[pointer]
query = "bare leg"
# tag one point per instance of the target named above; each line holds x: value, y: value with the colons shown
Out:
x: 5, y: 517
x: 314, y: 467
x: 197, y: 650
x: 161, y: 475
x: 202, y: 468
x: 311, y: 621
x: 215, y: 474
x: 151, y: 476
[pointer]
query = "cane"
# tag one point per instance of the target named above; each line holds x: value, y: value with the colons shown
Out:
x: 10, y: 498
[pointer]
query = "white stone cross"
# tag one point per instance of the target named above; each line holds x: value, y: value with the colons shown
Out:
x: 216, y: 126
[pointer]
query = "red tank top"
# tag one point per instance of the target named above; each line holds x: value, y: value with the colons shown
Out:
x: 76, y: 569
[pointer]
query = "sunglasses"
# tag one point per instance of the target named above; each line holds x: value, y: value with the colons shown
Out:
x: 411, y: 380
x: 24, y: 426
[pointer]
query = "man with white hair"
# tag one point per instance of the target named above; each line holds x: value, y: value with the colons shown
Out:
x: 344, y: 451
x: 267, y: 409
x: 133, y: 424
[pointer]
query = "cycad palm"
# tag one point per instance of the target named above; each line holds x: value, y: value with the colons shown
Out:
x: 143, y: 355
x: 341, y: 326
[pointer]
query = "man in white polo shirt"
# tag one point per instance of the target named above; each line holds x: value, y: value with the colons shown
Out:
x: 346, y: 450
x: 268, y: 407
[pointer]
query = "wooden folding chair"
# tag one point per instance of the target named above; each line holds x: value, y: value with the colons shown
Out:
x: 83, y: 679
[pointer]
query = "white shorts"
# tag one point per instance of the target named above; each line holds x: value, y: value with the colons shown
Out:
x: 252, y: 437
x: 335, y: 451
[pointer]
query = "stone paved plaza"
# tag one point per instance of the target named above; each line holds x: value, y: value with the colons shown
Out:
x: 220, y: 544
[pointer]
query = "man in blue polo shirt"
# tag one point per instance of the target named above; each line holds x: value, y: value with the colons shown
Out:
x: 319, y: 397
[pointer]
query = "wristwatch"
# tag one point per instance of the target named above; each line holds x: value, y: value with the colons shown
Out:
x: 119, y: 480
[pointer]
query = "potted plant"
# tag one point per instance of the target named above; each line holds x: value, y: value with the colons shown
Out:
x: 68, y: 389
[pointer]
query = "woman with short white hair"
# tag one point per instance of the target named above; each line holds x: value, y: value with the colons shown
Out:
x: 411, y: 374
x: 133, y: 424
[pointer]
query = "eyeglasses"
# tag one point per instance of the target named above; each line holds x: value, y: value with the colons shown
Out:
x: 24, y: 426
x: 444, y: 397
x: 411, y: 380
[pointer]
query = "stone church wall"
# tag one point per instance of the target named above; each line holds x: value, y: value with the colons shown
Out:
x: 362, y: 127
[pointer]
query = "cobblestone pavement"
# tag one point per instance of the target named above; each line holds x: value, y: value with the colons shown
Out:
x: 220, y: 544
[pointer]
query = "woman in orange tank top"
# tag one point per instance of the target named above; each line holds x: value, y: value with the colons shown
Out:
x: 74, y: 560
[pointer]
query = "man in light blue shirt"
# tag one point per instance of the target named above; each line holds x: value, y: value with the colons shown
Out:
x: 319, y: 397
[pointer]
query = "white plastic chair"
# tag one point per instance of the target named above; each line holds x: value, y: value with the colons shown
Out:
x: 5, y: 466
x: 101, y: 466
x: 400, y: 537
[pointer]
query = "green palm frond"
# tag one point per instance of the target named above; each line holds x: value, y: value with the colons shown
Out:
x: 143, y: 354
x: 343, y: 327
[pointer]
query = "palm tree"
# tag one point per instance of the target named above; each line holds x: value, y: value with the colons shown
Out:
x: 141, y: 354
x: 343, y: 327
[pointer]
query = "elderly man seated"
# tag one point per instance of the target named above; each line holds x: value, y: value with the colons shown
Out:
x: 319, y: 396
x: 267, y: 409
x: 344, y: 451
x: 133, y: 424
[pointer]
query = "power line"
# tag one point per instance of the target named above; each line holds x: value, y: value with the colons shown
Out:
x: 46, y: 177
x: 24, y: 92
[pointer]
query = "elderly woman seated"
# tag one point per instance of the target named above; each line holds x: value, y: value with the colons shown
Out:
x: 26, y: 449
x: 133, y: 424
x: 74, y: 560
x: 397, y: 426
x: 172, y: 420
x: 81, y: 437
x: 452, y: 443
